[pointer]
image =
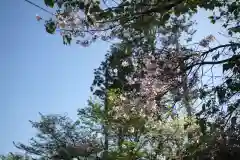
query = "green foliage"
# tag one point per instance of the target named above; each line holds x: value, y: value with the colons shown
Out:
x: 54, y: 133
x: 67, y: 39
x: 12, y: 156
x: 121, y: 114
x: 135, y: 18
x: 235, y: 29
x: 129, y: 151
x: 228, y: 65
x: 49, y: 3
x: 50, y: 26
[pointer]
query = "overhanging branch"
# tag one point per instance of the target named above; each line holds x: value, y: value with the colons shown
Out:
x: 221, y: 46
x: 216, y: 62
x: 235, y: 57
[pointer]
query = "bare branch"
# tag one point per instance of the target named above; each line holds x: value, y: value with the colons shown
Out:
x: 214, y: 62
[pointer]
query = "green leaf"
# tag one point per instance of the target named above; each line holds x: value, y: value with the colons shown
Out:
x: 235, y: 29
x: 215, y: 57
x: 208, y: 103
x: 229, y: 81
x: 203, y: 107
x: 233, y: 121
x: 227, y: 66
x: 235, y: 87
x: 59, y: 4
x: 231, y: 108
x: 67, y: 40
x: 49, y: 3
x: 212, y: 19
x: 203, y: 93
x: 166, y: 17
x: 81, y: 5
x: 232, y: 7
x: 202, y: 124
x: 221, y: 93
x: 50, y: 27
x: 234, y: 48
x: 90, y: 20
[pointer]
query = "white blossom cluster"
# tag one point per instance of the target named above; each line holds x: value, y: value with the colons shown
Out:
x: 160, y: 77
x: 142, y: 102
x: 74, y: 22
x: 70, y: 20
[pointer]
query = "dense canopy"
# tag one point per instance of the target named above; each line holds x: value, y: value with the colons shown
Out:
x: 151, y: 98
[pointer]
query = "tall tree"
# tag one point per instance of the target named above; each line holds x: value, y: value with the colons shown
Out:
x: 15, y: 156
x: 143, y: 70
x: 59, y: 137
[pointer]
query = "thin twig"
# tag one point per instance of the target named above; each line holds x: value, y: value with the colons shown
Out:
x: 36, y: 5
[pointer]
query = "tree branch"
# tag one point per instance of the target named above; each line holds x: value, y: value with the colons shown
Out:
x: 235, y: 57
x: 222, y: 46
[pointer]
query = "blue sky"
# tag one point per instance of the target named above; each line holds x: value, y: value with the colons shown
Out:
x: 40, y: 74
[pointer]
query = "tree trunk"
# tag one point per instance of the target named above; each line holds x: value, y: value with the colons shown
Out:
x: 105, y: 127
